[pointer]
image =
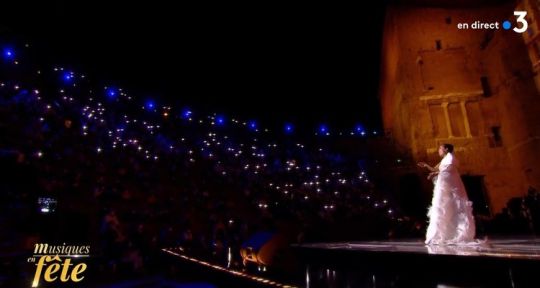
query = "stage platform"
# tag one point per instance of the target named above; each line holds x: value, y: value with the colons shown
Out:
x: 223, y: 276
x: 497, y: 263
x: 410, y: 263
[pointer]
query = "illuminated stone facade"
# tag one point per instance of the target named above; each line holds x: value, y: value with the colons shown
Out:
x: 472, y: 88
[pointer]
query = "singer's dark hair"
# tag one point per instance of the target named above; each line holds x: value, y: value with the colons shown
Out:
x: 448, y: 147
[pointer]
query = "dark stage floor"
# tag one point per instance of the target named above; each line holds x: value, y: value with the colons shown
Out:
x: 505, y: 248
x: 409, y: 263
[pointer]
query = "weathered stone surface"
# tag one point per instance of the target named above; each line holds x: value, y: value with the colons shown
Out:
x: 432, y: 93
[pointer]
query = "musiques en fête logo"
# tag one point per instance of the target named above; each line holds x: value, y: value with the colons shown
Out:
x: 59, y: 263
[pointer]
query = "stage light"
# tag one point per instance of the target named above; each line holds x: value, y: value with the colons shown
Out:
x: 323, y: 129
x: 359, y: 129
x: 289, y: 128
x: 150, y: 104
x: 220, y: 120
x: 68, y: 77
x: 111, y: 93
x: 186, y: 113
x: 9, y: 53
x: 252, y: 125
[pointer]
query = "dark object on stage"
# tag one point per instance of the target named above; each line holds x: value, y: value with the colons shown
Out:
x: 262, y: 248
x: 47, y: 205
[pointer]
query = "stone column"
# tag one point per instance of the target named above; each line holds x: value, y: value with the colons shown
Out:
x: 444, y: 105
x: 465, y: 118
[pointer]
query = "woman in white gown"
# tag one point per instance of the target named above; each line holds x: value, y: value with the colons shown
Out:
x: 451, y: 221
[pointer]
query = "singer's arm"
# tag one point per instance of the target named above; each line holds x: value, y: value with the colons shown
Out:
x: 432, y: 169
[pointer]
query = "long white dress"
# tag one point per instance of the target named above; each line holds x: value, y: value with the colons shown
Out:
x: 451, y: 221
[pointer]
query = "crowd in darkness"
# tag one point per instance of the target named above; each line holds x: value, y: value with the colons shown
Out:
x: 131, y: 176
x: 521, y: 216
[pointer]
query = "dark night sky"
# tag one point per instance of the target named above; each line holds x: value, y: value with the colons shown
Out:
x: 267, y: 61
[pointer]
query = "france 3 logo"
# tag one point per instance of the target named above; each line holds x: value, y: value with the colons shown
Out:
x: 519, y: 25
x: 522, y: 24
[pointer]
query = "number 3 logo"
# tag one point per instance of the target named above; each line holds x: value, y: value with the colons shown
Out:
x: 521, y: 19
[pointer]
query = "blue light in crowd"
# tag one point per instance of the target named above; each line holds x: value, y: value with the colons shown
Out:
x: 150, y: 105
x: 67, y: 76
x: 186, y: 113
x: 252, y: 125
x: 111, y: 93
x: 289, y: 128
x: 359, y: 129
x: 323, y: 129
x: 8, y: 53
x: 220, y: 120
